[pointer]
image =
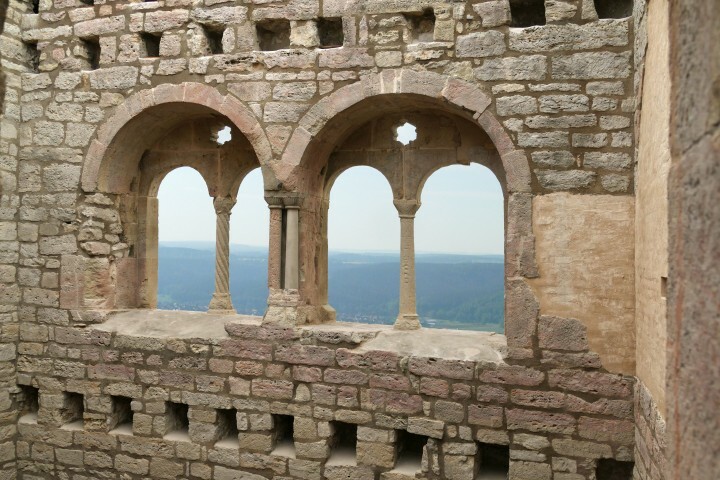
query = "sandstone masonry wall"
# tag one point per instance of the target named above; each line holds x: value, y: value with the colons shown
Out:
x: 551, y: 108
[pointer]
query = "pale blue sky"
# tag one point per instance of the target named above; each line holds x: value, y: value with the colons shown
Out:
x: 461, y: 212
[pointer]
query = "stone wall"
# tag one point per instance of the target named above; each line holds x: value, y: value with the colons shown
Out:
x: 556, y: 420
x: 15, y: 59
x: 694, y: 278
x: 650, y: 437
x: 117, y: 86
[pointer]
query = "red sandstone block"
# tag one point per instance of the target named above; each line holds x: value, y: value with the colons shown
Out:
x: 607, y: 430
x: 602, y: 406
x: 374, y: 360
x: 390, y: 381
x: 434, y: 387
x: 373, y: 399
x: 246, y: 349
x: 183, y: 381
x: 450, y: 411
x: 323, y: 394
x: 461, y: 391
x: 433, y: 367
x: 539, y: 421
x: 485, y: 415
x: 277, y: 389
x: 399, y: 402
x: 276, y: 370
x: 513, y: 375
x: 266, y: 332
x: 305, y: 355
x: 531, y: 398
x: 209, y: 383
x: 347, y: 397
x: 307, y: 374
x: 218, y: 365
x: 598, y: 383
x: 486, y: 393
x: 348, y: 377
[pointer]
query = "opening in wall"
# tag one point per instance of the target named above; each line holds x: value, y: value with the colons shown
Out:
x: 151, y: 44
x: 421, y: 25
x: 406, y: 133
x: 331, y: 32
x: 363, y: 242
x: 410, y: 451
x: 186, y: 250
x: 32, y: 56
x: 35, y: 6
x: 29, y: 400
x: 493, y: 461
x: 343, y: 444
x: 227, y: 428
x: 527, y: 13
x: 250, y: 238
x: 121, y: 420
x: 614, y: 8
x: 89, y: 50
x: 273, y: 34
x: 177, y: 426
x: 88, y: 2
x: 610, y: 469
x: 214, y: 38
x: 284, y: 437
x: 73, y: 411
x: 460, y: 240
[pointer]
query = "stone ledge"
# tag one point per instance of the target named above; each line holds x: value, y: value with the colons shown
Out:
x: 485, y: 347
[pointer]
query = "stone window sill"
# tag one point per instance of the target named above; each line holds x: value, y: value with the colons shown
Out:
x: 437, y: 343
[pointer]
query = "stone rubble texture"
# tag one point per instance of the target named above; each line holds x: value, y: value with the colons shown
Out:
x: 101, y: 99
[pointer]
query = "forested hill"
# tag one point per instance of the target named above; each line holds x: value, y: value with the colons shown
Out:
x: 453, y: 291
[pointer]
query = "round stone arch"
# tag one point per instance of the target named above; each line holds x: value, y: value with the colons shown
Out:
x: 123, y: 147
x: 301, y: 169
x: 433, y: 90
x: 195, y: 98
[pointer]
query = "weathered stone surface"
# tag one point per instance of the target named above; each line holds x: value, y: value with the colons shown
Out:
x: 484, y: 44
x: 591, y: 66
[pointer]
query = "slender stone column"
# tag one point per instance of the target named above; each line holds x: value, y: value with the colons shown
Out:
x: 221, y: 301
x: 292, y: 248
x: 275, y: 273
x: 407, y: 317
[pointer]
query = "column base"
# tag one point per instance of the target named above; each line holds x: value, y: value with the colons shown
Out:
x: 407, y: 322
x: 285, y: 307
x: 221, y: 304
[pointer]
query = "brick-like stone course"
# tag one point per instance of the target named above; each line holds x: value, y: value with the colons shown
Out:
x: 559, y: 95
x: 536, y: 410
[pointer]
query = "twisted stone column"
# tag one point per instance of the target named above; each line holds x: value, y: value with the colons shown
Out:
x: 221, y: 301
x: 407, y: 317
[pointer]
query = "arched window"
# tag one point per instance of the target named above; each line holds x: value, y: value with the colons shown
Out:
x: 186, y: 242
x: 363, y: 243
x: 459, y: 250
x: 249, y: 240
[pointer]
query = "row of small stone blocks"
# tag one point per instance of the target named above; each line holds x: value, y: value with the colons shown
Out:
x: 258, y: 432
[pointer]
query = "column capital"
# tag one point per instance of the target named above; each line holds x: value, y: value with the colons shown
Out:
x: 223, y: 205
x: 406, y: 208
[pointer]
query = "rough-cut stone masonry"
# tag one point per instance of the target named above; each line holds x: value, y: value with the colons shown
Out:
x: 650, y: 437
x: 104, y: 98
x: 556, y: 420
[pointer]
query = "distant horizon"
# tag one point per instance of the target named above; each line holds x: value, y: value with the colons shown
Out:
x: 462, y: 212
x: 210, y: 244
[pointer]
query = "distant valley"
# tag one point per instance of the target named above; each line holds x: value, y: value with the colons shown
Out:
x: 453, y: 291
